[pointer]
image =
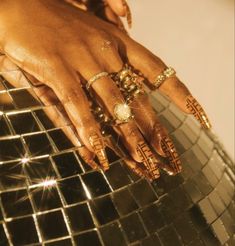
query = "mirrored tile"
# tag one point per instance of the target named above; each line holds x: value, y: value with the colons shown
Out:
x: 160, y: 98
x: 52, y: 225
x: 39, y: 170
x: 199, y: 154
x: 216, y: 164
x: 223, y: 193
x: 18, y: 233
x: 158, y: 107
x: 16, y: 203
x: 152, y: 218
x: 152, y: 240
x: 84, y: 165
x: 124, y: 201
x: 3, y: 237
x: 80, y: 218
x: 88, y: 238
x: 210, y: 175
x: 6, y: 102
x: 170, y: 128
x: 216, y: 202
x: 38, y: 144
x: 185, y: 229
x: 45, y: 198
x: 181, y: 141
x: 191, y: 135
x: 205, y: 144
x: 209, y: 238
x: 4, y: 129
x: 228, y: 223
x: 104, y: 209
x: 169, y: 237
x: 177, y: 112
x: 11, y: 176
x: 142, y: 192
x: 133, y: 227
x: 64, y: 242
x: 23, y: 123
x: 11, y: 149
x: 220, y: 231
x: 96, y: 184
x: 202, y: 183
x: 67, y: 164
x: 117, y: 176
x: 171, y: 118
x: 60, y: 139
x: 112, y: 235
x: 193, y: 191
x: 72, y: 190
x: 193, y: 124
x: 44, y: 119
x: 24, y: 98
x: 111, y: 155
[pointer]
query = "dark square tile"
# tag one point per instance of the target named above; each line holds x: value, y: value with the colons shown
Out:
x: 11, y: 149
x: 67, y: 164
x: 104, y: 209
x: 6, y: 102
x: 124, y: 201
x: 169, y: 237
x: 44, y: 119
x: 88, y: 238
x: 72, y: 190
x: 45, y: 198
x: 197, y: 217
x: 96, y: 184
x: 39, y: 170
x: 112, y: 235
x: 80, y: 218
x: 4, y: 129
x: 52, y: 225
x: 3, y: 237
x: 111, y: 155
x: 19, y: 235
x: 85, y: 166
x: 11, y: 176
x: 209, y: 238
x: 180, y: 198
x: 152, y: 240
x: 142, y: 192
x: 23, y: 123
x: 152, y: 218
x: 24, y: 98
x: 202, y: 183
x: 60, y: 139
x: 16, y: 203
x: 133, y: 227
x: 65, y: 242
x: 185, y: 229
x: 117, y: 176
x: 38, y: 144
x: 168, y: 209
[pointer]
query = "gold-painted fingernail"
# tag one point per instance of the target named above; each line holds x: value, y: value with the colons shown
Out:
x: 169, y: 149
x: 98, y: 147
x: 148, y: 159
x: 128, y: 13
x: 197, y: 111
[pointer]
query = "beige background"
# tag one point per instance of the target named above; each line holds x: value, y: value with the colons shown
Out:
x: 197, y: 39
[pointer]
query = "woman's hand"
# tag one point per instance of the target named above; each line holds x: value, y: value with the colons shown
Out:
x: 63, y: 47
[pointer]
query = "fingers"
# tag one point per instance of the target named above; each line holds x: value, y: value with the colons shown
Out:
x: 152, y: 67
x: 80, y: 114
x: 110, y: 96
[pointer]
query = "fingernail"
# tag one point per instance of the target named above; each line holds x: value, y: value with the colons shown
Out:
x: 98, y: 147
x: 169, y: 149
x: 197, y: 111
x: 148, y: 159
x: 128, y: 13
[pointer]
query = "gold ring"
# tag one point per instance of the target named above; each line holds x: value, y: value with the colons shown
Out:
x: 167, y: 73
x: 95, y: 78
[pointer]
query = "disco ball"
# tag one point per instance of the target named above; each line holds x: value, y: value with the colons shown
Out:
x: 50, y: 197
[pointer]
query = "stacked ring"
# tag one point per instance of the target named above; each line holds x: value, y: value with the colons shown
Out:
x: 95, y: 78
x: 167, y: 73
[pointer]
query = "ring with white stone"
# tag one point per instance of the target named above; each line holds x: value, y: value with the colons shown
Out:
x: 95, y: 78
x: 167, y: 73
x: 122, y: 113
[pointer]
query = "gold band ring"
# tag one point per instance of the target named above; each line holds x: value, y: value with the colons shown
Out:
x: 95, y: 78
x: 167, y: 73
